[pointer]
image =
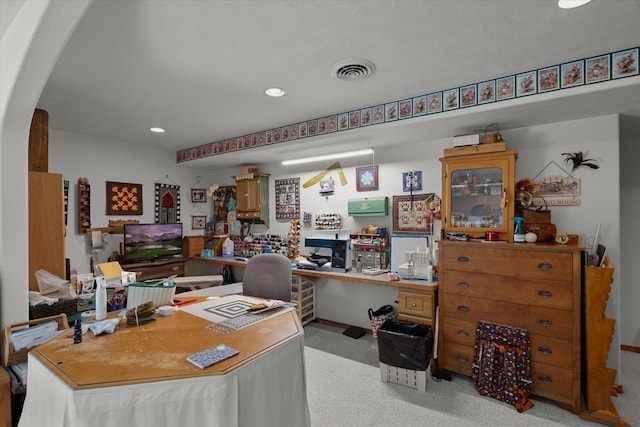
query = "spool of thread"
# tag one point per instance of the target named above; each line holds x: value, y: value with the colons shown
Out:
x: 491, y: 236
x: 86, y: 315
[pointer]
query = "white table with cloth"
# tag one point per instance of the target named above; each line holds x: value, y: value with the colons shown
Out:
x: 139, y: 375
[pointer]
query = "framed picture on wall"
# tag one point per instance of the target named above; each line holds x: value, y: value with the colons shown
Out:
x: 198, y: 222
x: 367, y: 178
x: 198, y: 195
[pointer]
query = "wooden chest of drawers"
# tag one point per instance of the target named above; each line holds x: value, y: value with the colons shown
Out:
x: 537, y: 287
x: 416, y: 305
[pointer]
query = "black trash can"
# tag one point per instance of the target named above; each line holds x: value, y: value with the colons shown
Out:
x: 405, y: 344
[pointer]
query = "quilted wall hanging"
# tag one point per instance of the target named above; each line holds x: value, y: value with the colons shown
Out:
x: 167, y: 199
x: 124, y: 198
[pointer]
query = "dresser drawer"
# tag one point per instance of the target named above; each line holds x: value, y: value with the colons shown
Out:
x: 456, y: 357
x: 548, y: 350
x: 534, y: 264
x: 551, y: 382
x: 548, y: 381
x: 537, y: 320
x: 547, y: 293
x: 415, y: 303
x: 159, y: 271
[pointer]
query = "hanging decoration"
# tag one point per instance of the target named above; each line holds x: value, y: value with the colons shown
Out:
x: 577, y: 160
x: 316, y: 179
x: 412, y: 181
x: 415, y: 214
x: 555, y: 189
x: 367, y: 178
x: 167, y: 200
x: 198, y: 192
x: 287, y: 198
x: 124, y: 198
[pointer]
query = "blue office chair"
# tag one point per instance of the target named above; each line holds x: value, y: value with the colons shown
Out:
x: 268, y: 276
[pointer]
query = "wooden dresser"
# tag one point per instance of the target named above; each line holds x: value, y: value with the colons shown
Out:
x: 532, y: 286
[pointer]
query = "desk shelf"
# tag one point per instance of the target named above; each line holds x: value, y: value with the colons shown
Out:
x: 303, y: 294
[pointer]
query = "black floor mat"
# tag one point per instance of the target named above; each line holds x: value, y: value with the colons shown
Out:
x: 354, y: 332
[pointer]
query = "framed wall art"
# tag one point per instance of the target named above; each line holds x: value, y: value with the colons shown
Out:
x: 414, y: 214
x: 412, y: 181
x: 287, y: 198
x: 198, y: 195
x: 124, y: 198
x: 367, y: 178
x: 198, y: 222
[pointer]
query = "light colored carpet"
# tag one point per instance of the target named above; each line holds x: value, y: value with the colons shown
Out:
x: 343, y: 392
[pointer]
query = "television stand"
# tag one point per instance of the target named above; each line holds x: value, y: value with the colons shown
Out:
x: 157, y: 269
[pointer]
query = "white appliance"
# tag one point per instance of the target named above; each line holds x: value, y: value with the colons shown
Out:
x: 410, y: 257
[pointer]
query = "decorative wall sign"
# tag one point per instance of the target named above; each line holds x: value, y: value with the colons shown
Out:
x: 124, y: 198
x: 367, y: 178
x: 287, y: 198
x: 412, y: 181
x: 415, y: 214
x: 558, y: 189
x: 167, y: 200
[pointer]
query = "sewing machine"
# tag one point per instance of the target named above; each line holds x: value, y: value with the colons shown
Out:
x: 328, y: 253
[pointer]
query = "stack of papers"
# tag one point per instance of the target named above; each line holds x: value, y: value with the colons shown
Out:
x: 27, y: 338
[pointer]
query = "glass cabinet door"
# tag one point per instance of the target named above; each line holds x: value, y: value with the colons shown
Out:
x: 478, y: 194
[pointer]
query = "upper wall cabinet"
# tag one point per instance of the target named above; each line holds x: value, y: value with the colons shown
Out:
x: 376, y: 206
x: 252, y: 192
x: 478, y: 194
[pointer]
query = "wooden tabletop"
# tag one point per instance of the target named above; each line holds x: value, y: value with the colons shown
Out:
x: 350, y: 276
x: 157, y: 351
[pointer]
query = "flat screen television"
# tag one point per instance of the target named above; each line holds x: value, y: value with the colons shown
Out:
x: 144, y: 242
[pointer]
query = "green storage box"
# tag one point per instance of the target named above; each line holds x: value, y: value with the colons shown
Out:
x: 372, y: 206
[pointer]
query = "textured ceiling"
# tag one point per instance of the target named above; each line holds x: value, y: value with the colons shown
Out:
x: 199, y: 68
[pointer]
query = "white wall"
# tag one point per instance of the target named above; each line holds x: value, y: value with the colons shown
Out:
x: 629, y: 283
x: 99, y: 160
x: 33, y: 35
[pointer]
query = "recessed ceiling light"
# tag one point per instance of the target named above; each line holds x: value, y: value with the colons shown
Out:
x: 570, y: 4
x: 157, y: 130
x: 275, y: 92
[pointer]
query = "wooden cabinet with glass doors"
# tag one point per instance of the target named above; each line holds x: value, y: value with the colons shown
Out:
x: 478, y: 194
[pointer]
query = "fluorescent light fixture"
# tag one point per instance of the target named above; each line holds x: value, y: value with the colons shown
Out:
x: 275, y: 92
x: 328, y: 157
x: 570, y: 4
x: 157, y: 130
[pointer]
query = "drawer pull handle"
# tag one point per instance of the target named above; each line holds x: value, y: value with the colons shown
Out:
x: 545, y: 266
x: 463, y: 258
x: 463, y: 308
x: 463, y: 332
x: 545, y: 293
x: 545, y: 350
x: 414, y: 305
x: 545, y: 322
x: 176, y: 268
x: 545, y: 378
x: 463, y: 285
x: 462, y: 358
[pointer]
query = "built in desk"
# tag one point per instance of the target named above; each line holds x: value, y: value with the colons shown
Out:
x: 416, y: 299
x: 139, y: 376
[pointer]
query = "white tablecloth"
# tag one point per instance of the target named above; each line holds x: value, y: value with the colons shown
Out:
x: 268, y: 391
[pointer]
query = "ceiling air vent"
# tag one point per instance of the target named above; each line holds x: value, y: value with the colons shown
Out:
x: 353, y: 69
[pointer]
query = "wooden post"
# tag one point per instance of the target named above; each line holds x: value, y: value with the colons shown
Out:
x: 39, y: 142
